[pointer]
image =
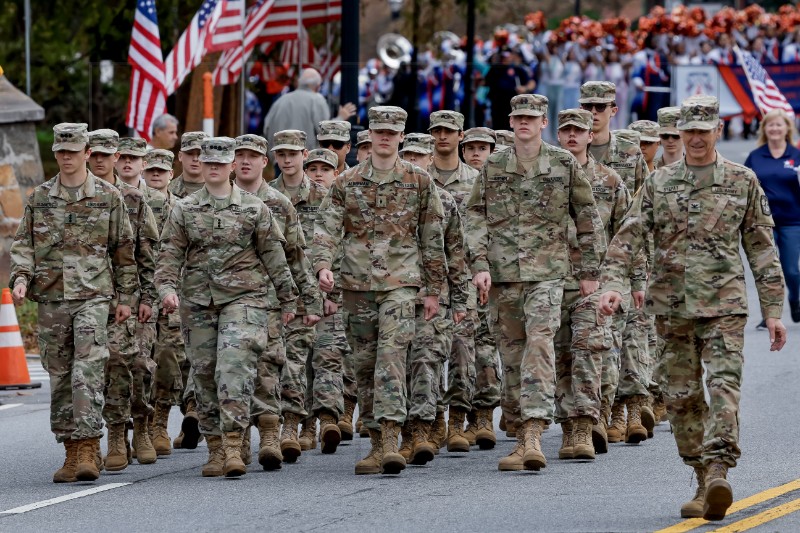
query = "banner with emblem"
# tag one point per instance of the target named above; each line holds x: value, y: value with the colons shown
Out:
x: 690, y: 80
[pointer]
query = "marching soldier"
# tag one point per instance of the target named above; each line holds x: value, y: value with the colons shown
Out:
x: 671, y: 144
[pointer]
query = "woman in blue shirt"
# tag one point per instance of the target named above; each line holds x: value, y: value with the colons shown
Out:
x: 776, y: 162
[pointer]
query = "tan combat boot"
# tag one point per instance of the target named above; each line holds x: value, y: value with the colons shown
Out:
x: 371, y: 464
x: 269, y: 446
x: 694, y: 507
x: 116, y: 458
x: 158, y: 429
x: 391, y: 462
x: 308, y: 434
x: 635, y: 431
x: 363, y: 431
x: 190, y: 426
x: 406, y: 440
x: 647, y: 415
x: 659, y: 409
x: 472, y: 427
x: 719, y: 494
x: 423, y: 450
x: 246, y: 451
x: 66, y: 474
x: 616, y: 431
x: 599, y: 435
x: 290, y: 447
x: 216, y: 457
x: 346, y: 422
x: 439, y: 431
x: 513, y: 461
x: 567, y: 450
x: 511, y: 428
x: 329, y: 433
x: 533, y: 458
x: 502, y: 424
x: 145, y: 453
x: 86, y: 468
x: 485, y: 437
x: 232, y: 449
x: 456, y: 440
x: 582, y: 438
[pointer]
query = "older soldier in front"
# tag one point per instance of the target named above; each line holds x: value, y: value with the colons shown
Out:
x: 516, y: 230
x: 392, y: 220
x: 74, y: 252
x: 699, y: 211
x: 223, y: 246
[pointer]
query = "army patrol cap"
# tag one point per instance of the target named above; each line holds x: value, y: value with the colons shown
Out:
x: 363, y: 137
x: 387, y: 117
x: 504, y: 137
x: 134, y: 146
x: 289, y: 140
x: 70, y: 136
x: 699, y: 112
x: 321, y: 155
x: 217, y: 150
x: 580, y: 118
x: 158, y: 158
x: 192, y: 140
x: 632, y: 136
x: 256, y: 143
x: 419, y: 143
x: 452, y: 120
x: 334, y: 130
x: 532, y: 105
x: 668, y: 119
x: 482, y: 135
x: 598, y: 92
x: 104, y: 141
x: 647, y: 129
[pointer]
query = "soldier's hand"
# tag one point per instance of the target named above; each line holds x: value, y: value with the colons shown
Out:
x: 310, y: 320
x: 287, y: 317
x: 19, y: 293
x: 458, y: 316
x: 638, y: 299
x: 346, y: 111
x: 609, y: 302
x: 483, y: 282
x: 325, y: 277
x: 122, y: 313
x: 431, y: 304
x: 145, y: 312
x: 777, y: 334
x: 588, y: 287
x: 329, y: 307
x: 170, y: 304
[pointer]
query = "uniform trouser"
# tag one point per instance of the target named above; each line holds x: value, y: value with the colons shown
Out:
x: 654, y: 348
x: 526, y: 316
x: 704, y: 432
x: 224, y: 343
x: 266, y: 397
x: 487, y: 364
x: 73, y: 344
x: 143, y: 369
x: 461, y: 364
x: 380, y: 328
x: 299, y: 344
x: 169, y: 356
x: 123, y: 350
x: 581, y: 344
x: 426, y: 356
x: 349, y: 376
x: 609, y: 377
x: 187, y: 372
x: 325, y: 367
x: 634, y: 359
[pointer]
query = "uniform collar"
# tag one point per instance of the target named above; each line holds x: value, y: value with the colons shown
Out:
x: 454, y: 177
x: 540, y: 166
x: 234, y: 198
x: 396, y: 174
x: 682, y: 172
x: 87, y: 190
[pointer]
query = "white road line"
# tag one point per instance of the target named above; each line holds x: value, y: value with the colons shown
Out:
x: 9, y: 406
x: 60, y: 499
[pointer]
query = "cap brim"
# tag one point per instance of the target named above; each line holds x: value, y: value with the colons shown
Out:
x: 333, y: 138
x: 647, y: 138
x: 216, y: 159
x: 69, y: 147
x: 416, y: 150
x: 479, y: 139
x: 251, y: 148
x: 103, y: 150
x: 386, y: 126
x: 317, y: 160
x: 134, y: 153
x: 526, y: 113
x: 574, y: 123
x: 365, y: 141
x: 288, y: 147
x: 698, y: 125
x: 671, y: 129
x: 596, y: 100
x: 190, y: 148
x: 162, y: 166
x: 444, y: 125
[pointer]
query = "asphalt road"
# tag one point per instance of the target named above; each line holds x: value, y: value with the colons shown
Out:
x: 632, y: 488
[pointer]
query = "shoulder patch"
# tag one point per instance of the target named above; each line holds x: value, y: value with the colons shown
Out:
x: 765, y: 206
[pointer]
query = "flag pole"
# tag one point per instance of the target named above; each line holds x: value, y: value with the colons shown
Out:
x: 242, y: 75
x: 300, y: 43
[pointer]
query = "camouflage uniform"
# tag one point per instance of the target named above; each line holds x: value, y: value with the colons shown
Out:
x: 389, y: 224
x: 224, y: 252
x: 299, y: 337
x: 505, y: 139
x: 696, y: 289
x: 667, y: 120
x: 74, y: 251
x: 522, y: 215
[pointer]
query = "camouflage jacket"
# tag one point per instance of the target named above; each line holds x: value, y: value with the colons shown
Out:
x: 75, y: 250
x: 178, y: 187
x: 388, y: 225
x: 626, y: 159
x: 697, y: 226
x: 517, y: 221
x: 285, y: 217
x: 658, y: 162
x: 455, y: 291
x: 158, y: 202
x: 306, y: 202
x: 224, y: 254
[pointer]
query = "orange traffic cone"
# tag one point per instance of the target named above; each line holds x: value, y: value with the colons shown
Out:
x: 13, y: 367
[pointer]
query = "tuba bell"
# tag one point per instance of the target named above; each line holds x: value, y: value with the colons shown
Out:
x: 394, y: 49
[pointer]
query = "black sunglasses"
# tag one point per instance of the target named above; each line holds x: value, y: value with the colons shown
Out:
x: 646, y: 143
x: 666, y: 136
x: 336, y: 145
x: 600, y: 107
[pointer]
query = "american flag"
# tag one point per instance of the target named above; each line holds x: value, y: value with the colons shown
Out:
x: 291, y: 52
x: 232, y: 61
x: 228, y: 33
x: 765, y: 93
x: 284, y: 19
x: 147, y: 98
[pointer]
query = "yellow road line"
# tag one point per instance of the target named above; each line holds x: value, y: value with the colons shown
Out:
x: 755, y: 499
x: 761, y: 518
